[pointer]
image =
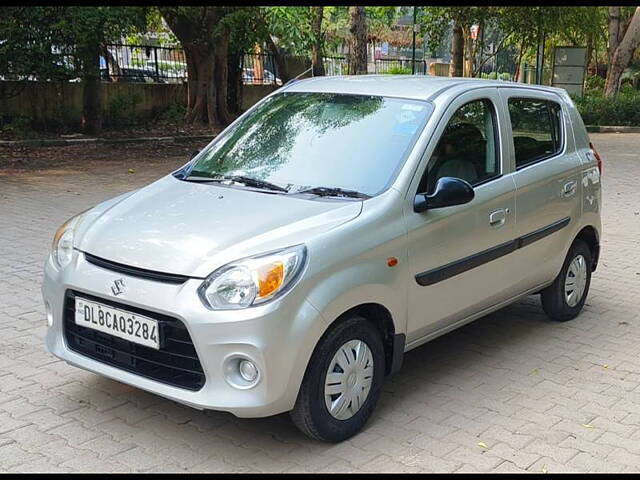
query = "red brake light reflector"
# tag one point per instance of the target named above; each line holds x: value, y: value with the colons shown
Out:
x: 597, y: 155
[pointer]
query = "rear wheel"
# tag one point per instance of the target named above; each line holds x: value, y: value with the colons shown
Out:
x: 342, y: 382
x: 564, y: 298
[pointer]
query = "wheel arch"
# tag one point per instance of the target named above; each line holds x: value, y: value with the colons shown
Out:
x: 380, y: 316
x: 590, y: 236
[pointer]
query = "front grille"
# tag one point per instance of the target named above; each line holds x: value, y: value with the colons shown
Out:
x: 176, y: 363
x: 135, y: 271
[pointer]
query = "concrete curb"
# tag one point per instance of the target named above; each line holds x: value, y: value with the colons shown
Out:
x: 611, y: 129
x: 55, y: 142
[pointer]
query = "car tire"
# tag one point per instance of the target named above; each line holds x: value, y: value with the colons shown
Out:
x: 557, y: 303
x: 311, y: 413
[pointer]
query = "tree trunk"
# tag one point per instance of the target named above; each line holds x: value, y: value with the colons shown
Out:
x: 589, y: 54
x: 113, y: 69
x: 622, y: 55
x: 516, y: 74
x: 201, y: 104
x: 192, y: 78
x: 469, y: 53
x: 614, y: 31
x: 91, y: 91
x: 206, y: 52
x: 457, y: 52
x: 358, y: 43
x: 235, y: 83
x: 317, y: 65
x: 221, y: 79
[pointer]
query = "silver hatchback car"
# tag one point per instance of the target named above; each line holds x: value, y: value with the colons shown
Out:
x: 334, y: 226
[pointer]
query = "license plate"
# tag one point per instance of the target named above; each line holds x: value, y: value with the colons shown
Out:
x: 119, y: 323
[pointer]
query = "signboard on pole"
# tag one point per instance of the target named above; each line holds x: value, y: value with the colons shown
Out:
x: 569, y: 66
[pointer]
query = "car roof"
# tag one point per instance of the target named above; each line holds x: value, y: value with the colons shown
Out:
x: 419, y: 87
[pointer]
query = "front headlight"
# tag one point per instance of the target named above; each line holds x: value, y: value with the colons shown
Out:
x: 62, y: 246
x: 252, y: 281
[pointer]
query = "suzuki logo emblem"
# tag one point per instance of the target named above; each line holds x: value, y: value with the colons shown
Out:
x: 118, y: 287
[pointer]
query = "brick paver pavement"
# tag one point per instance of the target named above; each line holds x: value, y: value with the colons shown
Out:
x: 511, y: 392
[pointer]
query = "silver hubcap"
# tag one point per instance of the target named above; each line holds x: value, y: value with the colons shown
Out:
x: 348, y: 380
x: 575, y: 281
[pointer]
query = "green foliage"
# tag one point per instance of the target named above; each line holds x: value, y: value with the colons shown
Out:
x: 434, y: 22
x: 172, y: 115
x: 336, y: 23
x: 380, y: 19
x: 516, y: 28
x: 121, y: 109
x: 246, y: 28
x: 27, y: 49
x: 160, y: 32
x: 622, y: 110
x: 19, y: 127
x: 51, y: 43
x: 398, y: 70
x: 87, y: 27
x: 594, y: 85
x: 291, y: 26
x: 495, y: 75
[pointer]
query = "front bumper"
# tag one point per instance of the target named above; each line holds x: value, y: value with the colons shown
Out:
x: 278, y: 337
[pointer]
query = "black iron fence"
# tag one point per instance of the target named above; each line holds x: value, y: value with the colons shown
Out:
x: 143, y: 64
x: 260, y: 69
x: 335, y: 66
x: 340, y: 66
x: 399, y: 66
x: 155, y: 64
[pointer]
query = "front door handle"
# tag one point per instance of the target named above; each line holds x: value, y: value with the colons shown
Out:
x: 498, y: 218
x: 569, y: 188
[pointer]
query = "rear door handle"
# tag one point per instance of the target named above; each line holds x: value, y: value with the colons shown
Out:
x: 498, y: 218
x: 569, y: 188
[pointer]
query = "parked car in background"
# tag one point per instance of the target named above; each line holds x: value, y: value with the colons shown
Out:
x: 132, y: 75
x: 268, y: 78
x: 336, y: 225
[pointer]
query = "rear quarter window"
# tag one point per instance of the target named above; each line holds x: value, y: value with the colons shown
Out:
x: 537, y: 129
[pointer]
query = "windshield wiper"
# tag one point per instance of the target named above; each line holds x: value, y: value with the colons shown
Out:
x: 248, y: 181
x: 332, y: 192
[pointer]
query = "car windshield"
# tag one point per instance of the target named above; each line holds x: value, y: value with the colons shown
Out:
x: 307, y: 141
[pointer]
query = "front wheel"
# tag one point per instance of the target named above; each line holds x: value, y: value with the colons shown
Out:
x: 564, y: 298
x: 342, y: 382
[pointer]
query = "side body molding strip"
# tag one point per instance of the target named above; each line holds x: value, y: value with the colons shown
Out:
x: 539, y: 234
x: 459, y: 266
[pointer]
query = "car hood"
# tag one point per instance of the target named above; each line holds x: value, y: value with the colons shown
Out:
x: 187, y: 228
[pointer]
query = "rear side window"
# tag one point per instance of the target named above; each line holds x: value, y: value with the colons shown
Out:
x: 537, y: 132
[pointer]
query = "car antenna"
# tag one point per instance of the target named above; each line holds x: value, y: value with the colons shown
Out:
x: 294, y: 79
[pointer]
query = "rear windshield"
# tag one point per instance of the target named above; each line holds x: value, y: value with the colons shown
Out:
x: 306, y: 140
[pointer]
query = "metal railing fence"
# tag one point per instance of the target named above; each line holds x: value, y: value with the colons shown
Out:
x: 260, y: 69
x: 143, y: 63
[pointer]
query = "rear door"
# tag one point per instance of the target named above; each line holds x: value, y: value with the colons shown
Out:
x: 548, y: 183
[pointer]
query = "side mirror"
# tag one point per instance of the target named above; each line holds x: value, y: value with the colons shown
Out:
x: 449, y: 191
x: 194, y: 153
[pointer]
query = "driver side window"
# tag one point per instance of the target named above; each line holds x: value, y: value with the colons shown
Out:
x: 468, y: 147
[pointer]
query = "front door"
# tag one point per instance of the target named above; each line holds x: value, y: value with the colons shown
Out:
x: 459, y: 256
